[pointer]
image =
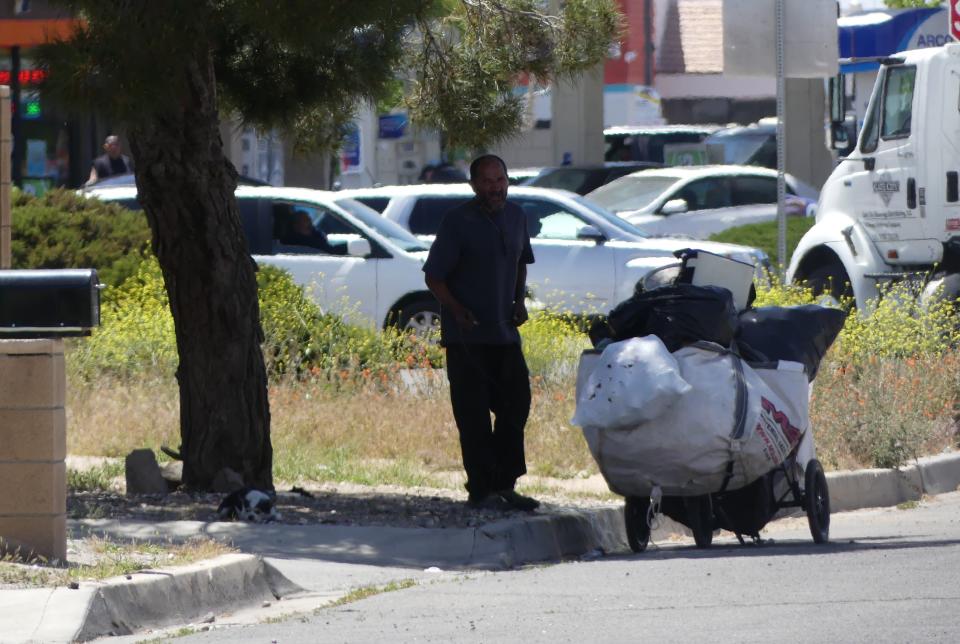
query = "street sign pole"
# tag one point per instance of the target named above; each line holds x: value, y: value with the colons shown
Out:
x: 781, y: 143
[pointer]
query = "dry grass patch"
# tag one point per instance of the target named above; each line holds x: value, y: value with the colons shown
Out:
x: 96, y: 558
x: 870, y: 412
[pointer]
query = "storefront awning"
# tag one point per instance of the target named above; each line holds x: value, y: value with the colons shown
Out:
x: 24, y: 32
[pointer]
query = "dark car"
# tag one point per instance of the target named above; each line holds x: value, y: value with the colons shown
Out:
x: 586, y: 178
x: 646, y: 143
x: 754, y: 144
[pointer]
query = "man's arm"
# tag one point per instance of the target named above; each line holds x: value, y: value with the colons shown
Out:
x: 441, y: 291
x: 519, y: 296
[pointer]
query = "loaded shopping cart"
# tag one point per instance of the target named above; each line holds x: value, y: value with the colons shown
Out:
x: 694, y: 404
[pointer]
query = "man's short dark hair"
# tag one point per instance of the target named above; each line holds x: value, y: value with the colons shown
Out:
x: 484, y: 158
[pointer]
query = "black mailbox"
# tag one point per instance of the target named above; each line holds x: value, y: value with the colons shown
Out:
x: 49, y: 303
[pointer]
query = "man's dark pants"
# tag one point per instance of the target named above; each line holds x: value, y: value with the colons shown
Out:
x: 488, y: 378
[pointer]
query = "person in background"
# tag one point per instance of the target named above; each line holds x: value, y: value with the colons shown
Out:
x: 112, y: 162
x: 477, y: 269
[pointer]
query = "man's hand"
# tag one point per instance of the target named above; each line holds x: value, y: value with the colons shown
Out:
x: 519, y: 312
x: 465, y: 319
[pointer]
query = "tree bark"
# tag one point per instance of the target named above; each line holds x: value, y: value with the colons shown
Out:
x: 186, y: 186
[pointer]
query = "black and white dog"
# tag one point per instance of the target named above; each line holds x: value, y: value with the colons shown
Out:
x: 248, y: 504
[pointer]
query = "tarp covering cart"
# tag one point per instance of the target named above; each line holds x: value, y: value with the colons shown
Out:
x: 695, y: 405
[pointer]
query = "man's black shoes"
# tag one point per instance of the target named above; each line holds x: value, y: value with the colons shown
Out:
x: 490, y: 501
x: 518, y: 501
x: 503, y: 500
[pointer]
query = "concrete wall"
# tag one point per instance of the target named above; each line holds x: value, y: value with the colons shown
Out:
x: 33, y: 448
x: 576, y: 127
x: 808, y: 157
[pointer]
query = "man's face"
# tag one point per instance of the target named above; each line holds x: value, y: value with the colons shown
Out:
x: 112, y: 148
x: 490, y: 185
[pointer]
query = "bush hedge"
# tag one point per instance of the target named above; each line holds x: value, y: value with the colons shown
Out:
x: 63, y: 229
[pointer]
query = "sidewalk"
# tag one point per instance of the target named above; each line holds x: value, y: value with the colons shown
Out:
x: 309, y: 566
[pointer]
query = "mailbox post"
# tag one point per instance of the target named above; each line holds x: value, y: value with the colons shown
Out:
x: 37, y: 309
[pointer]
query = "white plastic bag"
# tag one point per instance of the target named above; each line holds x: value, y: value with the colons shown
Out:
x: 689, y: 449
x: 633, y: 381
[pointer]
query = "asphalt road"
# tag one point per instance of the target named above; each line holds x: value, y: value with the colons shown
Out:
x: 888, y: 575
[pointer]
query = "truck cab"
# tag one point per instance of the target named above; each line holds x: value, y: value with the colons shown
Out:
x: 890, y: 210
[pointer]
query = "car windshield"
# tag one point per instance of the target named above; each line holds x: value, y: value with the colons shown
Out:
x: 370, y: 217
x: 611, y: 219
x: 633, y: 192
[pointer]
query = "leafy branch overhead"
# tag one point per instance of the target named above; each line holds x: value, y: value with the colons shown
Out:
x: 466, y: 63
x: 306, y: 66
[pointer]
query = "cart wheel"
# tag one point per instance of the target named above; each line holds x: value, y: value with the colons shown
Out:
x: 635, y: 518
x: 816, y: 501
x: 699, y: 511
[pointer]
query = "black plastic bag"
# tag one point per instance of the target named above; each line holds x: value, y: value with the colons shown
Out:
x: 798, y: 333
x: 679, y: 315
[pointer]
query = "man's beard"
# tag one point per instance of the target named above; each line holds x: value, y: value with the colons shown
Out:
x: 494, y: 205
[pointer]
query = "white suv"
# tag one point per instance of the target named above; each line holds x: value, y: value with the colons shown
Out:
x: 586, y: 259
x: 353, y: 262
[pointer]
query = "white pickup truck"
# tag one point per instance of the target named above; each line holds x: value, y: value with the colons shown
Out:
x: 891, y: 209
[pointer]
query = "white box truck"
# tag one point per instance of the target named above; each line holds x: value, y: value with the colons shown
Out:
x: 891, y: 209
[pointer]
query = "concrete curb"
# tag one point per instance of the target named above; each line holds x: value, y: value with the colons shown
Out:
x: 154, y: 598
x: 873, y: 488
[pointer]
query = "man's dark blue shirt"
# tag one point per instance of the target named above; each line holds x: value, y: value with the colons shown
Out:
x: 477, y: 254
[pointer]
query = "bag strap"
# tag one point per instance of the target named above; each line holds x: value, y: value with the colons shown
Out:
x: 740, y: 401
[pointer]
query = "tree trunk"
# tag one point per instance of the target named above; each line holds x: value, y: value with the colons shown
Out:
x: 186, y: 187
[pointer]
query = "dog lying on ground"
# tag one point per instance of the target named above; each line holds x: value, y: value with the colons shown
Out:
x: 248, y: 504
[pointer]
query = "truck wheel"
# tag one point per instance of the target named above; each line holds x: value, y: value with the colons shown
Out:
x: 830, y: 280
x: 420, y: 317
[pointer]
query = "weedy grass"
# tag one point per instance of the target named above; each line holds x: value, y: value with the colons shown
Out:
x: 99, y: 478
x: 364, y: 592
x: 349, y: 404
x: 104, y: 558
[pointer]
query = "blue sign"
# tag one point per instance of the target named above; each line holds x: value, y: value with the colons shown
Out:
x: 351, y: 159
x: 884, y: 33
x: 393, y: 126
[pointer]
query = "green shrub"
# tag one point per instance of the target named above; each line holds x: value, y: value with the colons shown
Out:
x: 137, y: 336
x: 764, y: 236
x: 62, y: 229
x: 552, y: 344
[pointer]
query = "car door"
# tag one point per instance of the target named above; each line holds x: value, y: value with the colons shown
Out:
x: 339, y: 283
x: 568, y: 274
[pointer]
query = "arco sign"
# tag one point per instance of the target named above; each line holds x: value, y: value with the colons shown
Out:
x: 955, y: 19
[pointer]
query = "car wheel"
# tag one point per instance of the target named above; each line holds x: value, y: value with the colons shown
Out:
x: 420, y: 317
x: 830, y: 282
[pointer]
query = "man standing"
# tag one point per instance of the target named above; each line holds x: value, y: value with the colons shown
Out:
x: 477, y: 269
x: 111, y: 162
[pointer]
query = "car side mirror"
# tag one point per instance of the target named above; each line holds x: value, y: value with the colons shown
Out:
x: 359, y: 247
x: 674, y: 206
x: 591, y: 233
